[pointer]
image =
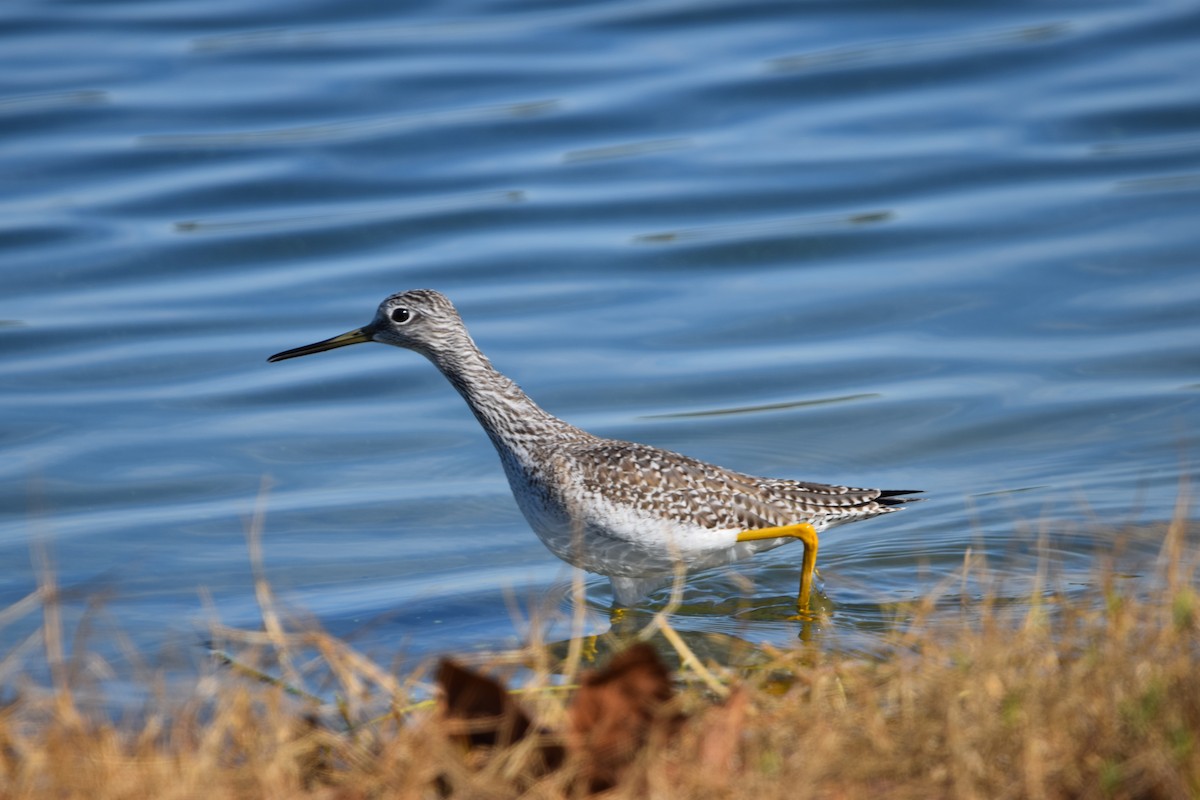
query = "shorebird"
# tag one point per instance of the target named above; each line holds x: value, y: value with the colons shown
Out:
x: 629, y: 511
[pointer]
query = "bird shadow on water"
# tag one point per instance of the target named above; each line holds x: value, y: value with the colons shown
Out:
x: 716, y: 617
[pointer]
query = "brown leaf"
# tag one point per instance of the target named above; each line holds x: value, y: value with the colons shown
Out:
x: 478, y: 710
x: 480, y: 713
x: 615, y: 712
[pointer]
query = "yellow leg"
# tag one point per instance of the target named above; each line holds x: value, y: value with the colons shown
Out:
x: 807, y: 534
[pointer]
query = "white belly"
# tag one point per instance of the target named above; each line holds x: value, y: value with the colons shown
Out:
x: 588, y: 531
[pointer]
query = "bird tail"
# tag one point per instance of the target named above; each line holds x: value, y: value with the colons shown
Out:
x: 898, y: 497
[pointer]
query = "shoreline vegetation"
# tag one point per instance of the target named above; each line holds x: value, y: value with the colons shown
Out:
x: 1069, y: 696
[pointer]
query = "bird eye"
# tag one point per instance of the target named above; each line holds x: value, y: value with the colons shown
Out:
x: 401, y: 315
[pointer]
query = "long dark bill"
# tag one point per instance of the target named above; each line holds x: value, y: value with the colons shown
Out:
x: 350, y: 337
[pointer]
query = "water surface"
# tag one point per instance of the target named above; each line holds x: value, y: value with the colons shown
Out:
x: 909, y: 245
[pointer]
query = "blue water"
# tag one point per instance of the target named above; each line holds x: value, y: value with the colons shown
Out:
x: 950, y: 247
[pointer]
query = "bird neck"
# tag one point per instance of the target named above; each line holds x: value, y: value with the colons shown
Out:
x: 509, y: 416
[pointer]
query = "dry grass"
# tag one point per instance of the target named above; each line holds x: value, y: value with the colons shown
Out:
x: 1096, y: 697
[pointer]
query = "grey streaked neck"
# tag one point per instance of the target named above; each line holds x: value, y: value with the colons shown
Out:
x: 508, y: 415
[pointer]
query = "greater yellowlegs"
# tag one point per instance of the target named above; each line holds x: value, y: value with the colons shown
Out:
x: 621, y: 509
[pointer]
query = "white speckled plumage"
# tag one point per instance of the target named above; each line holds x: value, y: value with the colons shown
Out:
x: 626, y: 510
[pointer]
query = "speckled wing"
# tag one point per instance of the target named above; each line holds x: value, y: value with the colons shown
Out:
x: 673, y: 486
x: 835, y: 503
